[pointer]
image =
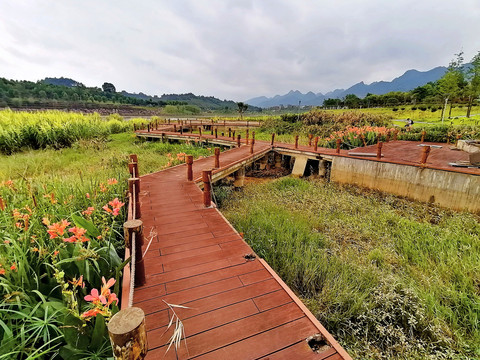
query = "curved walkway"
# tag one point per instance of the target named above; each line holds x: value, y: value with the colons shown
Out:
x: 237, y: 308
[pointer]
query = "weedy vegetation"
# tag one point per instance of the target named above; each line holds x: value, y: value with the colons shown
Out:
x: 389, y: 278
x: 61, y: 239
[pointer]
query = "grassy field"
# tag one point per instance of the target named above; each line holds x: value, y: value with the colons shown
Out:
x: 61, y: 218
x: 389, y: 278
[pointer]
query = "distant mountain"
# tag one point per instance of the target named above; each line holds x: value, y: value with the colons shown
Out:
x: 203, y: 102
x: 408, y: 81
x: 62, y: 82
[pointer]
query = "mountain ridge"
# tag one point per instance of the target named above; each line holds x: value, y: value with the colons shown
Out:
x: 408, y: 81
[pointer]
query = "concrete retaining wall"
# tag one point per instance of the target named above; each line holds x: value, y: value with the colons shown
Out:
x: 449, y: 189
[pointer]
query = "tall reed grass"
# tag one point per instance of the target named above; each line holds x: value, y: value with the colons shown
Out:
x: 55, y: 129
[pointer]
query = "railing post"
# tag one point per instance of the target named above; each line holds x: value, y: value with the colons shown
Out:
x: 233, y: 134
x: 128, y: 334
x: 200, y: 131
x: 229, y: 132
x: 136, y: 227
x: 181, y: 129
x: 207, y: 188
x: 174, y: 127
x: 296, y: 141
x: 253, y: 137
x: 379, y: 150
x: 339, y: 142
x: 315, y: 144
x: 189, y: 161
x: 252, y: 144
x: 246, y: 136
x: 423, y: 136
x: 217, y: 158
x: 216, y: 133
x: 133, y: 165
x: 134, y: 189
x: 239, y: 137
x: 310, y: 137
x: 425, y: 153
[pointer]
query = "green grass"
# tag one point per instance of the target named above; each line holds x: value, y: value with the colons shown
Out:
x: 389, y: 278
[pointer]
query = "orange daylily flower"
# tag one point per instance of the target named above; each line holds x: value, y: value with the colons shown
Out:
x: 116, y: 206
x: 57, y: 229
x: 112, y: 181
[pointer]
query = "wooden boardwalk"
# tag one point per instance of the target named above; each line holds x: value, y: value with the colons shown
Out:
x: 238, y: 308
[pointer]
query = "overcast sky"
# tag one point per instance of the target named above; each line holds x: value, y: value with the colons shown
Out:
x: 232, y: 49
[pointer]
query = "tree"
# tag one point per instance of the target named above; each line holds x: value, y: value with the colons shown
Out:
x: 242, y: 107
x: 352, y: 101
x: 108, y: 88
x: 473, y: 87
x: 450, y: 84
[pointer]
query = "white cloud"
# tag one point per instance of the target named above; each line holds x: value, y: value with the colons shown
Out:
x: 232, y: 49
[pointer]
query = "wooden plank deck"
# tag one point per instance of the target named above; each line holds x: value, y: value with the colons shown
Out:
x: 237, y: 308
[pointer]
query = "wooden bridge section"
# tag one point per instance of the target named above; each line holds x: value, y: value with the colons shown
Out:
x: 236, y: 307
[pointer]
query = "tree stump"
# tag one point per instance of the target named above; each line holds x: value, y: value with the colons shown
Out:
x: 128, y: 335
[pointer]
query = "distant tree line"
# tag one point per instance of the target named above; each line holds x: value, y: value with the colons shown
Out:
x: 57, y: 93
x: 460, y: 84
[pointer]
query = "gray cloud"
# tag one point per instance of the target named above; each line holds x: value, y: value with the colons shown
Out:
x: 233, y: 49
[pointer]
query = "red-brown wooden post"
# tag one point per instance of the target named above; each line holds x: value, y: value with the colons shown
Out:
x: 189, y: 161
x: 174, y: 127
x: 315, y: 144
x: 252, y: 144
x: 425, y: 152
x: 134, y: 189
x: 216, y: 133
x: 217, y: 158
x: 211, y: 130
x: 423, y: 136
x: 233, y: 134
x: 229, y: 132
x: 200, y: 131
x: 181, y: 129
x: 296, y: 141
x: 310, y: 137
x: 339, y: 141
x: 207, y: 187
x: 239, y: 137
x: 246, y: 137
x: 133, y: 157
x: 253, y: 137
x: 148, y: 127
x: 273, y: 139
x: 379, y: 150
x: 130, y: 227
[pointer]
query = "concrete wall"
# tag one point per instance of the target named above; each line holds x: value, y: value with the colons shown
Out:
x: 449, y: 189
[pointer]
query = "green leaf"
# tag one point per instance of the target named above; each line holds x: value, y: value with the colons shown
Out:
x: 88, y: 225
x: 99, y: 332
x: 75, y: 332
x: 69, y: 352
